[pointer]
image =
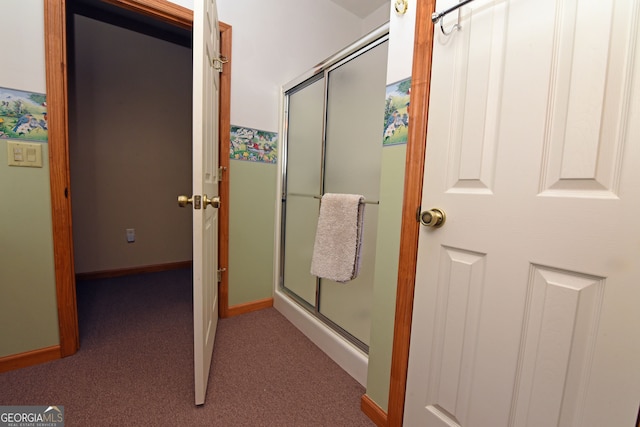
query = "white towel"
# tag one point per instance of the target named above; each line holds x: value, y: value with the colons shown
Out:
x: 336, y: 250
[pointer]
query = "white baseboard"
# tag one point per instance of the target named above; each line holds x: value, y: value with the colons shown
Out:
x: 345, y: 354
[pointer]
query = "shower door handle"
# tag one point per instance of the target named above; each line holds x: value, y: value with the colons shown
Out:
x: 433, y: 218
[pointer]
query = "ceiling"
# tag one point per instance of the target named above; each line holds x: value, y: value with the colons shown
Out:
x: 100, y: 10
x: 361, y: 8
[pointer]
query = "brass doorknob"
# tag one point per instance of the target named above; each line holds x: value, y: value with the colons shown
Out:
x: 214, y: 202
x: 184, y: 200
x: 433, y: 218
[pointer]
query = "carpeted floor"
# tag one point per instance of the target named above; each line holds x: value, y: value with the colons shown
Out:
x: 135, y: 366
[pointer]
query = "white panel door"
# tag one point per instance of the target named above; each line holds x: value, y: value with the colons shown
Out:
x: 205, y: 186
x: 526, y: 301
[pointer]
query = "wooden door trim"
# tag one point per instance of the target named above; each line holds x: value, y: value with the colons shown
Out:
x: 29, y: 358
x: 56, y: 79
x: 224, y: 127
x: 410, y: 229
x: 373, y: 411
x: 158, y: 9
x: 58, y: 122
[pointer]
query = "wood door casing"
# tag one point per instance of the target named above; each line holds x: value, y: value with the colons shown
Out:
x: 414, y: 168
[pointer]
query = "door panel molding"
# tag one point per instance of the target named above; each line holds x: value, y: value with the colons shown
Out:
x: 557, y: 348
x: 577, y: 163
x: 459, y: 301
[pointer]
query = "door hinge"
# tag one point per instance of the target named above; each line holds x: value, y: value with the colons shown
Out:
x: 218, y: 62
x: 219, y: 274
x: 221, y: 170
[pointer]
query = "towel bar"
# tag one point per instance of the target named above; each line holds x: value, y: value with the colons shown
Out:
x: 366, y: 202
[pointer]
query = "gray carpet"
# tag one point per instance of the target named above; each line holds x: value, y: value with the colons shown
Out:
x: 135, y: 366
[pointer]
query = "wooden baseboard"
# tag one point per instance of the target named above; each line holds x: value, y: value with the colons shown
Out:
x: 249, y: 307
x: 29, y: 358
x: 106, y: 274
x: 373, y: 411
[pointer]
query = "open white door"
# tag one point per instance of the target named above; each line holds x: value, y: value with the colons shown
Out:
x: 205, y: 188
x: 526, y: 299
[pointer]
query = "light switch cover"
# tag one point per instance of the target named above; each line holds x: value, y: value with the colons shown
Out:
x: 25, y: 154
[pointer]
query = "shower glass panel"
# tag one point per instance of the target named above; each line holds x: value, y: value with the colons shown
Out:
x: 353, y: 154
x: 332, y: 143
x: 305, y: 127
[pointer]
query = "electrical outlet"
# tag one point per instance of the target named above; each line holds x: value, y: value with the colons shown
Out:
x: 131, y: 235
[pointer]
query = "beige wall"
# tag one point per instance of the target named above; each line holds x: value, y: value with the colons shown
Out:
x: 130, y: 148
x: 28, y: 311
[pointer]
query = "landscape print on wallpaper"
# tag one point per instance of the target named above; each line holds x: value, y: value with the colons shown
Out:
x: 23, y: 115
x: 253, y: 145
x: 396, y: 113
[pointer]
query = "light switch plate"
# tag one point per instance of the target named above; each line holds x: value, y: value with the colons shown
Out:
x: 25, y: 154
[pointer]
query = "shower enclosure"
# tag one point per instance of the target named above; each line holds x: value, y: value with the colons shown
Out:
x: 332, y: 143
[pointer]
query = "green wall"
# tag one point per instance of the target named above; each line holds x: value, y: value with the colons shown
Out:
x: 28, y: 310
x: 386, y: 273
x: 251, y: 230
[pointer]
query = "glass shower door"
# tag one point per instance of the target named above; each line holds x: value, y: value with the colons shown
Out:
x: 353, y: 156
x: 333, y: 144
x: 304, y: 174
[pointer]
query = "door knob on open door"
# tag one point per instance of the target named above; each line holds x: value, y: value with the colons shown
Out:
x: 184, y: 200
x: 214, y: 202
x: 433, y: 218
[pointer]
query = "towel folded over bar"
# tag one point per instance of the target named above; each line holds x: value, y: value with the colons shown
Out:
x: 336, y: 250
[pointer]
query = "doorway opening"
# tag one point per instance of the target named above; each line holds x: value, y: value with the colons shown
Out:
x: 129, y: 94
x: 130, y: 121
x: 55, y: 30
